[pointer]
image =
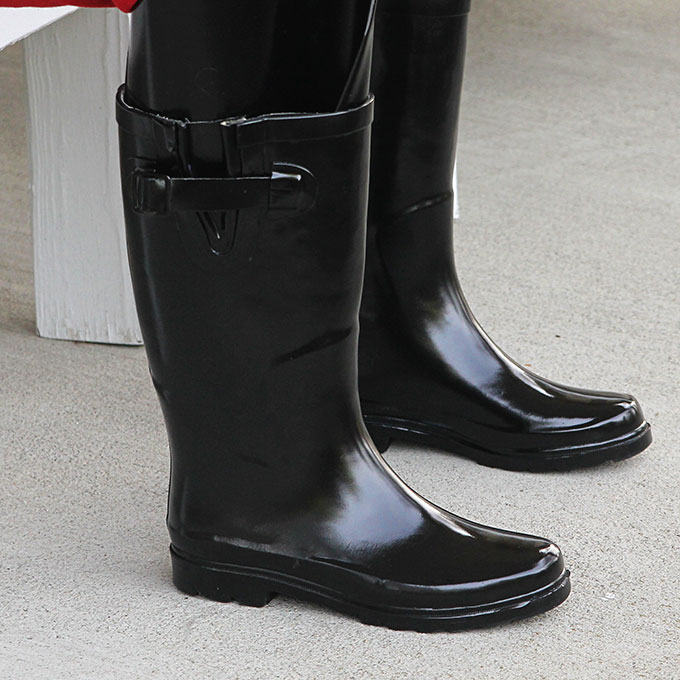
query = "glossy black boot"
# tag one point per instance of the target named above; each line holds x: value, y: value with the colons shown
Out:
x: 428, y: 373
x: 246, y: 239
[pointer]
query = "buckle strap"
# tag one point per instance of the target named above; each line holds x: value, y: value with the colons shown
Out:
x: 272, y: 127
x: 289, y: 187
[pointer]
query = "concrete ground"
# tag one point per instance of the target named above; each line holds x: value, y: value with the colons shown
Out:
x: 569, y: 249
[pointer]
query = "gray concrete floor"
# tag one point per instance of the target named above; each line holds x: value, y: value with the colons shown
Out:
x: 569, y: 249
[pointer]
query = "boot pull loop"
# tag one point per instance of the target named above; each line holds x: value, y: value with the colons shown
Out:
x: 289, y: 189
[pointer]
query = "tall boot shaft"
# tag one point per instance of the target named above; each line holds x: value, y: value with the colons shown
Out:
x: 417, y: 81
x: 249, y: 315
x: 215, y: 59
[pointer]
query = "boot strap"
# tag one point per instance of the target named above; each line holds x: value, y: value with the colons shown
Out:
x: 286, y: 189
x: 289, y: 187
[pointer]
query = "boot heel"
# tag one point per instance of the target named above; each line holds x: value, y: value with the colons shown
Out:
x: 215, y: 584
x: 380, y: 436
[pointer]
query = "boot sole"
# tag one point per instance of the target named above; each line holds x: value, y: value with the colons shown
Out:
x: 385, y: 430
x: 256, y: 587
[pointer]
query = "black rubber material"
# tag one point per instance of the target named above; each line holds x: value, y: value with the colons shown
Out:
x: 256, y: 587
x: 423, y: 356
x: 384, y: 431
x: 250, y: 323
x: 244, y: 57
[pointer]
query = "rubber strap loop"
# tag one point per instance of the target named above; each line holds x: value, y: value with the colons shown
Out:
x: 157, y: 194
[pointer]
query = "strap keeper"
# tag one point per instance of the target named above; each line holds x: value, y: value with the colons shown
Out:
x: 150, y: 194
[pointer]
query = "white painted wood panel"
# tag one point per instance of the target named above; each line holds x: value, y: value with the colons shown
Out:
x: 16, y: 24
x: 83, y: 289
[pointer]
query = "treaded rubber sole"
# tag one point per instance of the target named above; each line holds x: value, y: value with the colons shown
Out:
x: 256, y: 587
x: 385, y: 430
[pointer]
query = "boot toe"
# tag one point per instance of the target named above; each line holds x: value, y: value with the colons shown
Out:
x: 488, y: 567
x: 626, y: 416
x: 535, y: 566
x: 609, y: 418
x: 586, y: 428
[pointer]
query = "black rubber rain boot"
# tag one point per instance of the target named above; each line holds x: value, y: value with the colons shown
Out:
x: 428, y: 373
x: 246, y: 239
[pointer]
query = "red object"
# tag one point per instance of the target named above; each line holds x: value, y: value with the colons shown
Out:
x: 125, y: 5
